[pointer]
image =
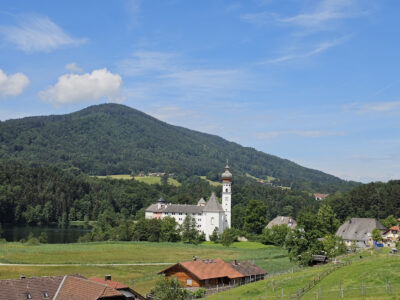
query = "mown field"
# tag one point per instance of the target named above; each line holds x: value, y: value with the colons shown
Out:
x: 374, y: 276
x: 145, y: 179
x: 70, y: 256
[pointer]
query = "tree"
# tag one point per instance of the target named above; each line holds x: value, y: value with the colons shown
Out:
x: 389, y: 221
x: 228, y: 237
x: 327, y: 220
x: 190, y: 235
x: 276, y: 235
x: 169, y: 230
x: 376, y: 235
x: 214, y: 237
x: 256, y: 217
x: 302, y: 245
x: 333, y: 245
x: 167, y: 289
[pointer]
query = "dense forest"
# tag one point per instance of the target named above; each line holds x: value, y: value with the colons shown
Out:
x: 115, y: 139
x: 41, y: 195
x: 374, y: 200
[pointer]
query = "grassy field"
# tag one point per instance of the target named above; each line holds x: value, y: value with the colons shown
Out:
x: 145, y: 179
x: 212, y: 183
x: 272, y: 259
x: 372, y: 271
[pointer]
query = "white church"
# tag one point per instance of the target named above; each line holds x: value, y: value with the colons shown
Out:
x: 208, y: 215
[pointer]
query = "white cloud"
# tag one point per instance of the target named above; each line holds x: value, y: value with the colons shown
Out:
x: 37, y: 33
x: 316, y: 19
x: 164, y: 74
x: 144, y: 62
x: 376, y: 107
x: 207, y: 79
x: 318, y: 49
x: 12, y: 85
x: 72, y: 88
x: 324, y: 12
x: 73, y: 67
x: 301, y: 133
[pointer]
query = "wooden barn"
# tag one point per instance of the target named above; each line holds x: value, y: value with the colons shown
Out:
x: 206, y: 273
x: 210, y: 273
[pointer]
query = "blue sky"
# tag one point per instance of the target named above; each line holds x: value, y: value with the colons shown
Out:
x: 316, y: 82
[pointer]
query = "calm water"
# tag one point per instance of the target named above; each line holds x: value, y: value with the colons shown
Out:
x: 57, y: 235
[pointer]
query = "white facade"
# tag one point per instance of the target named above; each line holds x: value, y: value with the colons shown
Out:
x: 208, y: 215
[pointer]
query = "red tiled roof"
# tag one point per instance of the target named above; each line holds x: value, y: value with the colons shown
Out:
x: 82, y: 289
x: 114, y: 284
x: 396, y: 227
x: 208, y: 269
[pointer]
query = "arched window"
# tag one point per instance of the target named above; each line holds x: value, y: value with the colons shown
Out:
x: 226, y: 190
x: 212, y: 221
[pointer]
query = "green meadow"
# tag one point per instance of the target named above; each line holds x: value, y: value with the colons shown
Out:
x: 145, y: 179
x: 80, y: 258
x: 366, y: 278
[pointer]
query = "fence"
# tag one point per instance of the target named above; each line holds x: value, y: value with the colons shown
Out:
x: 301, y: 292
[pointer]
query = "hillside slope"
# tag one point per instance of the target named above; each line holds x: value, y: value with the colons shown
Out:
x: 116, y: 139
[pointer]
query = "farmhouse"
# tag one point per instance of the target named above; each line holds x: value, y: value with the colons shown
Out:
x: 358, y: 230
x: 209, y: 273
x: 391, y: 236
x: 279, y: 220
x: 67, y: 287
x: 319, y: 196
x: 208, y: 215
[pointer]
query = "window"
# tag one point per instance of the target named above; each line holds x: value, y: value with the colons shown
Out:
x: 28, y: 296
x: 180, y: 214
x: 173, y: 214
x: 189, y: 282
x: 212, y: 221
x: 45, y: 295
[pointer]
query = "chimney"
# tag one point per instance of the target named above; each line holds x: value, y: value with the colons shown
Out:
x: 194, y: 258
x: 107, y: 277
x: 22, y: 276
x: 235, y: 262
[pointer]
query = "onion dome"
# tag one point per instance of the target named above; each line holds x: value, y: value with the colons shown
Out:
x: 227, y: 175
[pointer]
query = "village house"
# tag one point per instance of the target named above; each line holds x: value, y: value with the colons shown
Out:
x: 279, y: 220
x: 391, y: 236
x: 208, y: 215
x: 318, y: 196
x: 358, y: 230
x: 67, y: 287
x: 210, y: 273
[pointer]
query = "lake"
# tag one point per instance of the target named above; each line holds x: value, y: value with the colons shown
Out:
x: 56, y: 234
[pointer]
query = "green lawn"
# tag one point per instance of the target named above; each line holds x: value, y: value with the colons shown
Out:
x: 272, y: 259
x: 145, y: 179
x: 212, y: 183
x: 373, y: 271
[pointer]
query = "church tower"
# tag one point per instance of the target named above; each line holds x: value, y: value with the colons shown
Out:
x: 227, y: 196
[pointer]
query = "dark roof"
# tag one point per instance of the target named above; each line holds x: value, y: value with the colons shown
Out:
x: 213, y: 205
x: 16, y: 289
x: 358, y: 229
x: 321, y: 258
x: 176, y: 208
x: 247, y: 268
x: 279, y: 220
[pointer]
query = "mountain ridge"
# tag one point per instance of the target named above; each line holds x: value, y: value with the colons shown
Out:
x: 110, y: 139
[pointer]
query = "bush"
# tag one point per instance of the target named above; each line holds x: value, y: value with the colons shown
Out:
x: 43, y: 238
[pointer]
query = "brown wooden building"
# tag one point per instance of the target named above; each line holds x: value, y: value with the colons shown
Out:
x: 209, y: 273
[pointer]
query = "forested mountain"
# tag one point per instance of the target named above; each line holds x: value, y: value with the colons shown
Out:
x: 48, y: 194
x: 373, y: 200
x: 116, y: 139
